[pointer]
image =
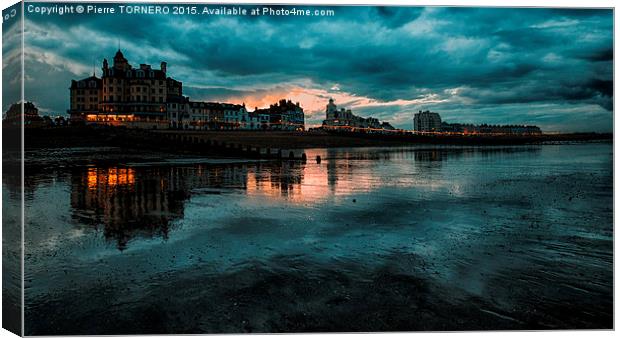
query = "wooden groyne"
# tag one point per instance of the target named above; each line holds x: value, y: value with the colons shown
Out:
x: 183, y: 142
x: 201, y: 143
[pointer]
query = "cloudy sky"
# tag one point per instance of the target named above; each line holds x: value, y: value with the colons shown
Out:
x: 549, y: 67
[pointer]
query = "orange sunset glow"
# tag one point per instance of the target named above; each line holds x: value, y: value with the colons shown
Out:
x: 314, y: 100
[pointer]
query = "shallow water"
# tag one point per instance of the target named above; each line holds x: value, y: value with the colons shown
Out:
x: 444, y: 238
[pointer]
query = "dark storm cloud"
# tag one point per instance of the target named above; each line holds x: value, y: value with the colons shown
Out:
x: 11, y: 61
x: 462, y: 57
x: 395, y: 17
x: 606, y: 54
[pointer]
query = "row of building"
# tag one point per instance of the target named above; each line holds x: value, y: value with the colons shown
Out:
x: 429, y: 122
x: 145, y: 97
x: 342, y: 118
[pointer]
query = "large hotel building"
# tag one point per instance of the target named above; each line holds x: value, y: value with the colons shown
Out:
x: 124, y: 95
x: 147, y: 98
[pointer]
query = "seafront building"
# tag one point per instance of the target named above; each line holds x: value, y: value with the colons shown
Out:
x: 490, y: 129
x: 86, y: 95
x: 335, y: 118
x: 426, y: 121
x: 31, y: 118
x: 284, y: 115
x: 148, y: 98
x: 133, y: 97
x: 145, y: 97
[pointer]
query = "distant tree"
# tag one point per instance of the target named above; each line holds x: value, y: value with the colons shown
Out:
x: 48, y: 121
x: 60, y: 121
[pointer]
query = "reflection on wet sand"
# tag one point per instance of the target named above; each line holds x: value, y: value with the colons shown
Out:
x: 367, y: 239
x: 126, y: 206
x: 144, y: 200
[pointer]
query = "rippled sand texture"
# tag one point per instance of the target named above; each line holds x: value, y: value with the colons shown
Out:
x: 368, y: 240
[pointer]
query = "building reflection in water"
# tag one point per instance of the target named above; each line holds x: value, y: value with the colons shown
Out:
x: 125, y: 202
x: 110, y: 178
x: 430, y: 156
x: 143, y: 201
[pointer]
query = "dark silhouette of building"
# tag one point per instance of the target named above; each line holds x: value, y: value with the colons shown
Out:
x: 427, y: 121
x: 490, y: 129
x: 284, y: 115
x: 335, y: 118
x: 31, y: 118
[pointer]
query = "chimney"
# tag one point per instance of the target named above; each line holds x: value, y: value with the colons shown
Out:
x: 163, y: 67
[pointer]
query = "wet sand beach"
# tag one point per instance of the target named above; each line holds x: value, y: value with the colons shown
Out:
x: 370, y: 239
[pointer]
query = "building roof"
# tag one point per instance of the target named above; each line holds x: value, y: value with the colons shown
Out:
x: 86, y: 81
x: 139, y: 73
x: 122, y: 69
x: 282, y: 106
x: 214, y: 105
